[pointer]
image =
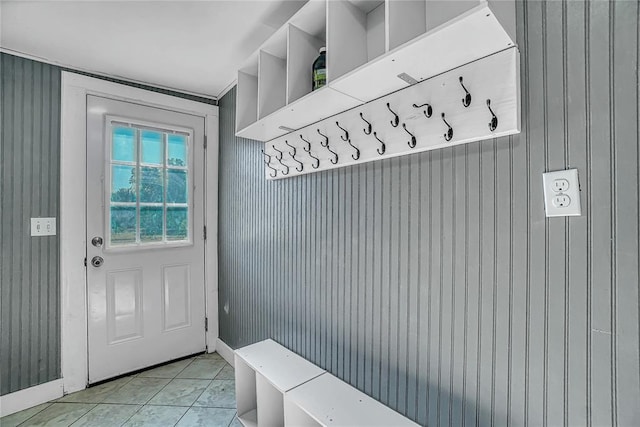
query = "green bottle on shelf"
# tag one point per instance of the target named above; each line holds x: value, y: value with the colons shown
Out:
x: 320, y: 69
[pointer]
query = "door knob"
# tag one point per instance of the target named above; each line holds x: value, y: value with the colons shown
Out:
x: 97, y: 261
x: 96, y: 241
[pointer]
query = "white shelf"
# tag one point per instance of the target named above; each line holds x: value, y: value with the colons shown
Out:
x: 264, y: 372
x: 310, y: 108
x: 468, y: 37
x: 328, y: 401
x: 370, y: 43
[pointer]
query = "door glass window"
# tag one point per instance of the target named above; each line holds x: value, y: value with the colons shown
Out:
x: 149, y: 200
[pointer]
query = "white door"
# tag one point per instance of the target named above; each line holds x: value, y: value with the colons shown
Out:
x: 145, y: 243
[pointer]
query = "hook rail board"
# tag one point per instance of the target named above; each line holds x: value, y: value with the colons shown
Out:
x: 477, y: 101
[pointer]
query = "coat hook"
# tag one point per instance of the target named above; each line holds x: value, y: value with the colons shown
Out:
x: 346, y: 133
x: 396, y: 119
x: 384, y: 146
x: 279, y: 157
x: 413, y: 141
x: 357, y: 155
x: 428, y: 112
x: 366, y: 131
x: 449, y: 134
x: 287, y: 170
x: 466, y: 101
x: 294, y: 148
x: 308, y: 147
x: 268, y: 156
x: 335, y: 160
x: 317, y: 161
x: 275, y: 171
x: 326, y: 139
x: 299, y: 169
x: 493, y: 124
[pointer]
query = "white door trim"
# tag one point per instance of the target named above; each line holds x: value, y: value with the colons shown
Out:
x: 72, y: 229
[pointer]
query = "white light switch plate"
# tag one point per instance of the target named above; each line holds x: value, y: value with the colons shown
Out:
x: 562, y: 193
x: 43, y: 226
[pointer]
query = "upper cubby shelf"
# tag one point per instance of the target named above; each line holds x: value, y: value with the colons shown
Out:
x: 374, y: 47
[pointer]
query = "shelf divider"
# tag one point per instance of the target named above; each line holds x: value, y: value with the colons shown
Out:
x: 302, y: 51
x: 346, y: 38
x: 272, y: 77
x: 406, y: 20
x: 245, y: 389
x: 247, y: 100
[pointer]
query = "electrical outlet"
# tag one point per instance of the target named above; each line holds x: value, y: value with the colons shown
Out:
x: 43, y: 226
x: 561, y: 200
x: 562, y: 193
x: 560, y: 185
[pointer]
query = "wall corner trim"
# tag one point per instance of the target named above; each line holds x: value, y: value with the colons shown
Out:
x: 226, y: 352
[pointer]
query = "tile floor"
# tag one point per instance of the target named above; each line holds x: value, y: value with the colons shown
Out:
x: 199, y: 391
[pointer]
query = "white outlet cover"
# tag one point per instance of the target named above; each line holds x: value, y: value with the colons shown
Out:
x: 573, y: 193
x: 43, y: 226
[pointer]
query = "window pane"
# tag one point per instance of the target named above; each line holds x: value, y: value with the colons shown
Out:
x: 152, y: 147
x: 177, y: 151
x: 151, y: 223
x: 123, y: 147
x: 123, y: 183
x: 123, y: 224
x: 151, y: 185
x: 176, y: 186
x: 177, y: 223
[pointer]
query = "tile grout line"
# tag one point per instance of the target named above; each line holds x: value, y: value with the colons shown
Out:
x: 19, y: 424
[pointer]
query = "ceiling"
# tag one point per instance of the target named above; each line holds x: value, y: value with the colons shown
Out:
x: 189, y: 46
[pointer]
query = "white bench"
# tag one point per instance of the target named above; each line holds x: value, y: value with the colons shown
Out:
x: 276, y: 387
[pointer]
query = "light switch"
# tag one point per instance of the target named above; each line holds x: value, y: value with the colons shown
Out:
x: 43, y: 226
x: 562, y: 193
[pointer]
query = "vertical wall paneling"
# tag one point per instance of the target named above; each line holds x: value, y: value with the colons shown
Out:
x: 29, y: 130
x: 434, y: 282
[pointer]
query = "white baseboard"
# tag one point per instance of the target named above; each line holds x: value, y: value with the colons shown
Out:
x: 226, y: 352
x: 30, y: 397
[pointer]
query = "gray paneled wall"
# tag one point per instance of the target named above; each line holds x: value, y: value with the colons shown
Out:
x: 434, y: 282
x: 30, y: 159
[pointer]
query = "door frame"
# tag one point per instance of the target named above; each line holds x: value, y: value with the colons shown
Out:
x: 73, y: 198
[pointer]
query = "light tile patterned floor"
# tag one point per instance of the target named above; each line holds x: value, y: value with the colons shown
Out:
x: 199, y: 391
